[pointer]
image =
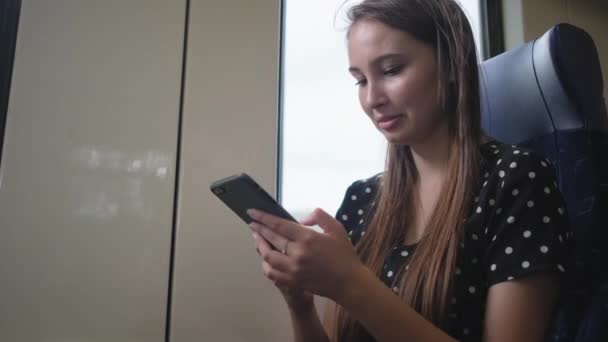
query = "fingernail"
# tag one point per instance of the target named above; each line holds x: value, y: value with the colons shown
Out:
x: 255, y: 236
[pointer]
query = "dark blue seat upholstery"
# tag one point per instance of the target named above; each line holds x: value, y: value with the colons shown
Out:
x: 548, y: 95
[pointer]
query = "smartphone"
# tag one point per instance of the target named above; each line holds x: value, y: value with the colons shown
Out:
x: 241, y: 192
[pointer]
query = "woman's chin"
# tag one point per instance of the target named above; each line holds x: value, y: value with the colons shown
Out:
x: 396, y: 139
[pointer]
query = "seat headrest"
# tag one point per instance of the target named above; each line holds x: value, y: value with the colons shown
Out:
x: 579, y: 70
x: 552, y: 83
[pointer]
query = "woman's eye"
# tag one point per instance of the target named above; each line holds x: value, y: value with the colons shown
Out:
x: 360, y: 82
x: 394, y: 70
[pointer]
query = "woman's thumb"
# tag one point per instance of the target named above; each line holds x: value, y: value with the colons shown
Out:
x: 322, y: 219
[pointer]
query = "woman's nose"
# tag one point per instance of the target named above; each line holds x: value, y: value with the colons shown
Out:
x: 375, y: 96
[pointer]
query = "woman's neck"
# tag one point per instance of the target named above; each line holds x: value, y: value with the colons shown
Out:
x: 431, y: 160
x: 431, y: 156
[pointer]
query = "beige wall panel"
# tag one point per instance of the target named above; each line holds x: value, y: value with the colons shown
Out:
x: 540, y: 15
x: 230, y: 126
x: 87, y: 178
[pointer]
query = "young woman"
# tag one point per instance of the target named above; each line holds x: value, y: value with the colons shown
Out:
x: 460, y: 238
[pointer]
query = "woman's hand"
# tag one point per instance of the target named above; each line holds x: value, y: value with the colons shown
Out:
x: 296, y: 298
x: 320, y: 263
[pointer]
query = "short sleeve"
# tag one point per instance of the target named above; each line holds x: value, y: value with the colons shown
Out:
x: 527, y: 229
x: 356, y: 206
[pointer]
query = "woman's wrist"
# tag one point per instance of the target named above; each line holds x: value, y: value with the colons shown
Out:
x: 307, y: 324
x: 298, y: 303
x: 355, y: 288
x: 301, y: 308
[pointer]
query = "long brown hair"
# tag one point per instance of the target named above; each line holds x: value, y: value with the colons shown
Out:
x: 443, y: 25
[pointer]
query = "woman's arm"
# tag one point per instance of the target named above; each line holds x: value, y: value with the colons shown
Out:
x: 329, y: 318
x: 304, y: 318
x: 384, y: 314
x: 327, y: 264
x: 518, y: 310
x: 307, y: 325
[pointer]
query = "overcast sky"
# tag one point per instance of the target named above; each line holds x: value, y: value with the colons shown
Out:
x: 328, y: 140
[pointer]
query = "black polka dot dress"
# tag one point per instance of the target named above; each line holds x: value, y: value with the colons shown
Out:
x: 517, y: 227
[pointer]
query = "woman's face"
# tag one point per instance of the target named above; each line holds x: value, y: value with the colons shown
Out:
x: 397, y: 79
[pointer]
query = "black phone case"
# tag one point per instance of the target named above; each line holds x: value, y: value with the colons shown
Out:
x: 241, y: 192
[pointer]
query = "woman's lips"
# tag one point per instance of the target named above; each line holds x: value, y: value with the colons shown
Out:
x: 389, y: 123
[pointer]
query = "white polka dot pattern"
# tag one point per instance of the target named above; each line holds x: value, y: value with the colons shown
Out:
x: 533, y: 209
x: 516, y: 227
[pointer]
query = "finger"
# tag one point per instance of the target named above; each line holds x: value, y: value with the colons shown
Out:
x: 276, y: 240
x: 321, y: 218
x: 279, y: 278
x: 263, y: 246
x: 275, y: 259
x: 310, y: 223
x: 288, y: 229
x: 309, y: 220
x: 255, y: 242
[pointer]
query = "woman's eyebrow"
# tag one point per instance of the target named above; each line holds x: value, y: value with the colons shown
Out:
x: 354, y: 69
x: 384, y: 57
x: 378, y: 60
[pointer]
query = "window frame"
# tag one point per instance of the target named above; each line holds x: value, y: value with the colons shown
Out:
x: 492, y: 28
x: 9, y: 24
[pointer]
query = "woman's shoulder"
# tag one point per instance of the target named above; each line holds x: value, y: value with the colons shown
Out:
x: 367, y: 185
x: 521, y: 214
x: 362, y: 192
x: 359, y: 200
x: 500, y: 160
